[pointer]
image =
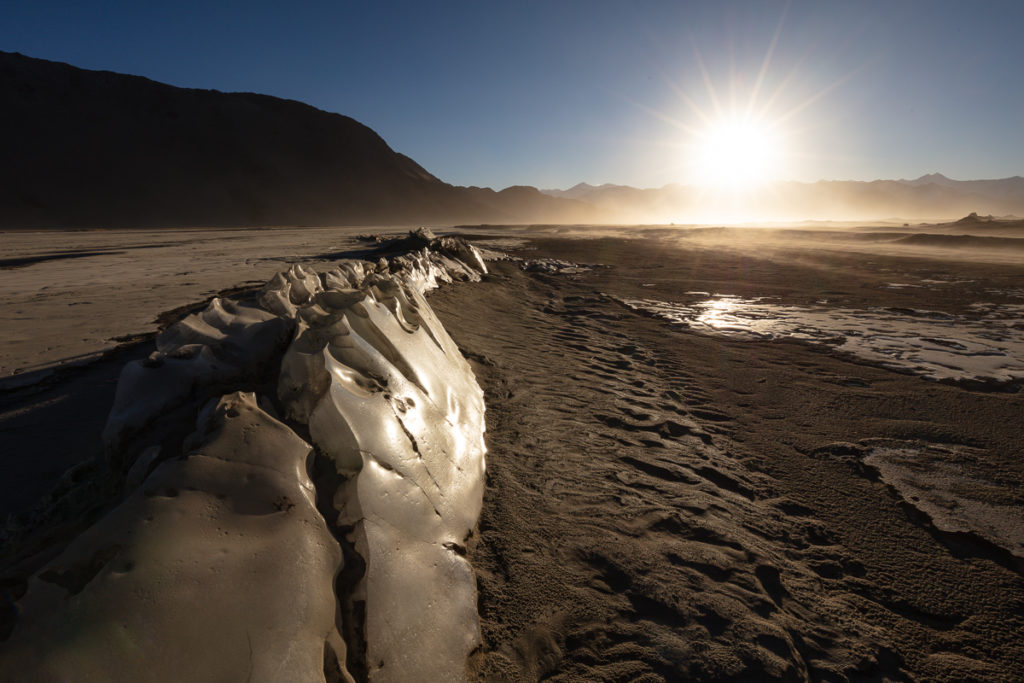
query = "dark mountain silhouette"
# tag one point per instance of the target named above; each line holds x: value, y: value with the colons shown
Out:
x: 99, y: 149
x: 933, y: 178
x: 583, y: 190
x: 972, y: 218
x: 1002, y: 187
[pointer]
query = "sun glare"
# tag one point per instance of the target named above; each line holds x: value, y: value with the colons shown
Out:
x: 736, y: 153
x: 740, y: 138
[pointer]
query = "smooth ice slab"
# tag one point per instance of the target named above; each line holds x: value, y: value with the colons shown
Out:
x: 218, y: 568
x: 389, y: 398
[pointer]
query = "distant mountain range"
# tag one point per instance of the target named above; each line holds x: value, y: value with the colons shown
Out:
x: 932, y: 196
x: 83, y: 148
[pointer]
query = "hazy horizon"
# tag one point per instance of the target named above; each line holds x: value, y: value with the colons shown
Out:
x: 802, y: 182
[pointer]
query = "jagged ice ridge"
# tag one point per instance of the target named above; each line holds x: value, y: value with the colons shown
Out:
x: 218, y: 563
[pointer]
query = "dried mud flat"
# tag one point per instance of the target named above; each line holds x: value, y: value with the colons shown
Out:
x: 667, y: 505
x: 664, y: 504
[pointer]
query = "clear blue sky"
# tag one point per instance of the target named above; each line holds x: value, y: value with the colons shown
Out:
x: 554, y: 93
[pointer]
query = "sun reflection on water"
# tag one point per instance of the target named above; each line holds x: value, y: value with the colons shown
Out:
x: 928, y: 343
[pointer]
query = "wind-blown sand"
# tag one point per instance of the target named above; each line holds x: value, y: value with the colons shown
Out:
x: 664, y: 503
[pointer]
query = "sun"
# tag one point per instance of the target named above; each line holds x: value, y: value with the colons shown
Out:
x: 741, y: 136
x: 736, y: 153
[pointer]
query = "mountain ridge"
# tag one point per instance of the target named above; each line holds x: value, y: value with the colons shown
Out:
x: 101, y: 149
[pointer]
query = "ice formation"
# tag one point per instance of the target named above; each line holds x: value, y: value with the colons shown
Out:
x: 550, y: 266
x: 988, y: 347
x: 928, y: 479
x: 288, y: 290
x: 217, y: 568
x: 218, y: 565
x: 196, y: 358
x: 387, y: 394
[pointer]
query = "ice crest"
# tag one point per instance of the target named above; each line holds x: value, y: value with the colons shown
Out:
x: 289, y: 289
x: 196, y: 359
